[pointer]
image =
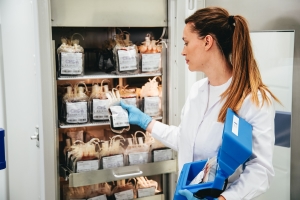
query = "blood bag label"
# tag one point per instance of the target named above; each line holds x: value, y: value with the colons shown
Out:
x: 138, y: 158
x: 145, y: 192
x: 162, y: 155
x: 127, y: 60
x: 101, y: 197
x: 76, y: 112
x: 119, y: 116
x: 71, y: 63
x: 151, y: 62
x: 130, y: 101
x: 152, y: 106
x: 100, y: 111
x: 235, y: 125
x: 124, y: 195
x: 88, y: 165
x: 113, y: 161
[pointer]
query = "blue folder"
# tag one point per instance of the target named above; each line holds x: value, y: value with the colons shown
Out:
x: 2, y: 150
x: 235, y: 150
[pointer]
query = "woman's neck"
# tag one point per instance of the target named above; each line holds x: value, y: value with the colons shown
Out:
x: 218, y: 72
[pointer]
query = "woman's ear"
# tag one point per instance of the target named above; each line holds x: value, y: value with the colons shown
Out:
x: 208, y: 42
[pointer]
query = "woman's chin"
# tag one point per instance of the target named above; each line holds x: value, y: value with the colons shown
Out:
x: 191, y: 69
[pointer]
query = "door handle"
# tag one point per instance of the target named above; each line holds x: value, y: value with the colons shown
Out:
x: 127, y: 175
x: 36, y: 136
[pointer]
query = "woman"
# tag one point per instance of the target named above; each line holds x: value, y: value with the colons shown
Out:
x: 219, y: 45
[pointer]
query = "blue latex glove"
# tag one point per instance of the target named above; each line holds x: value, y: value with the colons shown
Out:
x: 136, y: 116
x: 189, y: 195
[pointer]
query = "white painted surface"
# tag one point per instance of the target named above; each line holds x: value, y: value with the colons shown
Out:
x: 3, y: 173
x: 274, y: 54
x: 182, y: 78
x: 280, y: 185
x: 21, y: 97
x: 94, y: 13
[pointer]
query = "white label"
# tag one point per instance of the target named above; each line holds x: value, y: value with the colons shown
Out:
x: 151, y: 106
x: 130, y: 101
x: 101, y: 197
x: 138, y: 158
x: 198, y: 178
x: 127, y: 59
x: 235, y: 125
x: 76, y: 112
x: 87, y: 165
x: 119, y: 116
x: 161, y: 155
x: 100, y: 111
x: 151, y: 62
x: 71, y: 63
x: 113, y: 161
x: 124, y: 195
x: 145, y: 192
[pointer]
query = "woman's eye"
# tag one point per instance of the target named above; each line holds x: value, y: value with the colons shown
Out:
x: 185, y: 44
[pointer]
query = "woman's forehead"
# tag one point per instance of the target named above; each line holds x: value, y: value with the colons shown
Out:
x: 188, y: 31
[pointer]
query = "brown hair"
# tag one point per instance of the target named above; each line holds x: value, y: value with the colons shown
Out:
x: 232, y: 36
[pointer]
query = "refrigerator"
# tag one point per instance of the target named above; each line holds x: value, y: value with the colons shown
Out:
x: 30, y: 32
x: 42, y: 24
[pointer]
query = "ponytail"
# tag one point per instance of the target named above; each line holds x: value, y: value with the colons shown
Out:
x: 246, y: 77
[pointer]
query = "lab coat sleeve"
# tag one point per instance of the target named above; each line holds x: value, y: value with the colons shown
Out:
x: 258, y: 172
x: 167, y: 134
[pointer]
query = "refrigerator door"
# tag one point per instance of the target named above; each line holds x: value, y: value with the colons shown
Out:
x: 22, y: 97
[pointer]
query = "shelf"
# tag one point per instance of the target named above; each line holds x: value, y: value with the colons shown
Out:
x: 102, y: 123
x: 107, y: 175
x: 103, y: 75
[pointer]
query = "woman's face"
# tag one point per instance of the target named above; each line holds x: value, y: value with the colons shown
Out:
x: 194, y: 49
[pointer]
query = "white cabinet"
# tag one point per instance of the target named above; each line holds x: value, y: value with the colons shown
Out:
x: 98, y: 21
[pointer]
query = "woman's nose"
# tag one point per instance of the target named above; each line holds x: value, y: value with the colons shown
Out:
x: 182, y: 52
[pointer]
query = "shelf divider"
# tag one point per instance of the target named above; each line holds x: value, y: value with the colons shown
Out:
x: 102, y: 75
x: 107, y: 175
x: 100, y: 123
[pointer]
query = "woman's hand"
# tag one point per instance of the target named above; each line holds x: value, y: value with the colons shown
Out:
x: 221, y: 198
x: 136, y: 116
x: 187, y: 194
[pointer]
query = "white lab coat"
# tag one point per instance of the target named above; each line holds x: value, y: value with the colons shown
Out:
x: 256, y: 177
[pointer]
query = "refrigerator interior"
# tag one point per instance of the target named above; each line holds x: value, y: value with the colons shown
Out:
x: 92, y: 183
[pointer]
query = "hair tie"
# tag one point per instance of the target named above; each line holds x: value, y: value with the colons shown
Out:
x: 231, y: 20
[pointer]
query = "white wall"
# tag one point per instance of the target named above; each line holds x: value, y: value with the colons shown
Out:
x: 3, y: 173
x: 274, y: 53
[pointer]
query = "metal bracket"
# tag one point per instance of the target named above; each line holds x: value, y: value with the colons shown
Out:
x: 191, y: 5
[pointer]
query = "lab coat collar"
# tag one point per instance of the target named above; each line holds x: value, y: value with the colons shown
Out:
x: 203, y: 85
